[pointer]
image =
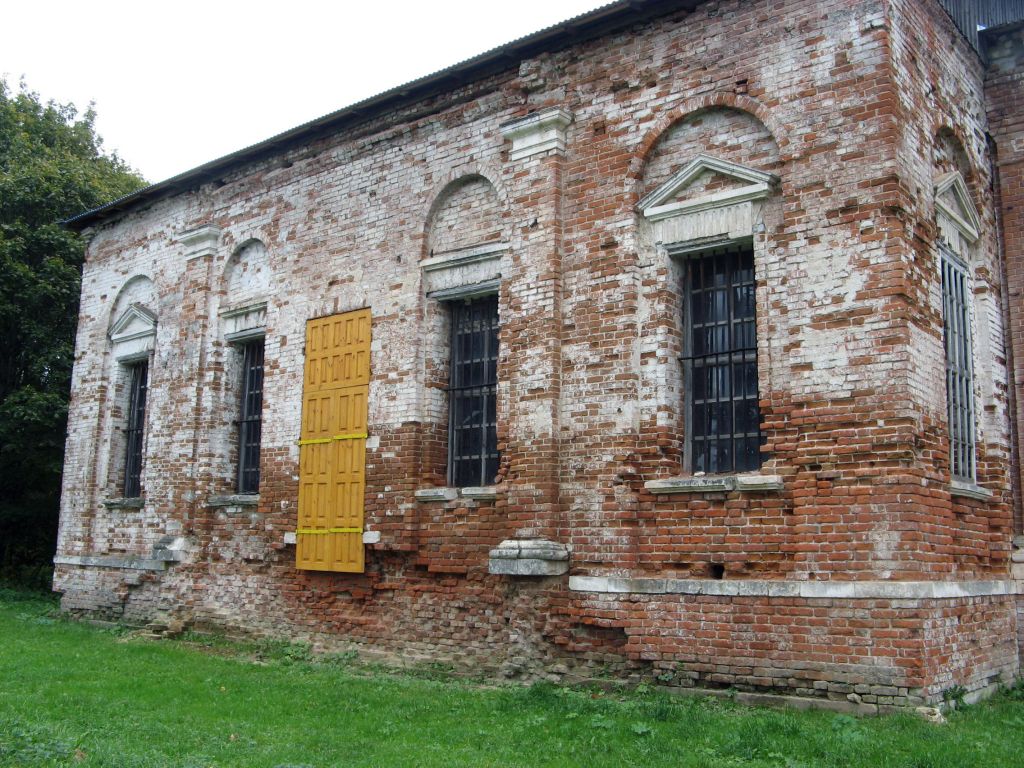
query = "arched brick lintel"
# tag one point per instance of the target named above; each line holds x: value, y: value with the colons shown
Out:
x: 454, y: 176
x: 699, y: 104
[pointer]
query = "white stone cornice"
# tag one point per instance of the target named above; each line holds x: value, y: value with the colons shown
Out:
x: 538, y: 132
x: 201, y: 241
x: 811, y: 590
x: 717, y: 200
x: 464, y: 257
x: 243, y: 324
x: 123, y: 562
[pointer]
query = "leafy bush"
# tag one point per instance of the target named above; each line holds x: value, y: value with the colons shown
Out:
x: 52, y: 166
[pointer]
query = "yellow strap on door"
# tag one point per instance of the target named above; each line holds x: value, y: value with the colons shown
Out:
x: 321, y: 440
x: 320, y: 531
x: 351, y: 436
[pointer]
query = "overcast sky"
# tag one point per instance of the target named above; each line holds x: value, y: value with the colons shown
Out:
x: 177, y: 84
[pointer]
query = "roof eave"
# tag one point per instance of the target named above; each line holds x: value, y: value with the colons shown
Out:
x: 586, y: 26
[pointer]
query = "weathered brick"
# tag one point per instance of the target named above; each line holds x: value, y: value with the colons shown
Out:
x: 857, y: 106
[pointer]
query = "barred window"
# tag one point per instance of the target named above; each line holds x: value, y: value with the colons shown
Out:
x: 956, y: 331
x: 138, y: 381
x: 723, y: 421
x: 472, y: 420
x: 250, y: 421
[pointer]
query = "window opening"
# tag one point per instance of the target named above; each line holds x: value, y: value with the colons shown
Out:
x: 723, y: 415
x: 139, y: 373
x: 250, y: 421
x: 472, y: 392
x: 956, y: 331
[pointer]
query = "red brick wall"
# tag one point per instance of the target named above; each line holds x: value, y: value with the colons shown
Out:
x: 846, y: 102
x: 1004, y: 94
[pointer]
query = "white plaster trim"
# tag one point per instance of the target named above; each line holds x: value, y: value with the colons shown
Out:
x: 201, y: 241
x: 482, y: 492
x: 716, y: 200
x: 137, y: 352
x: 657, y: 199
x: 687, y: 247
x: 486, y: 288
x: 969, y: 227
x: 832, y: 590
x: 248, y: 334
x: 260, y: 306
x: 246, y: 323
x: 539, y: 132
x: 134, y: 336
x: 716, y: 484
x: 436, y: 494
x: 124, y: 562
x: 464, y: 256
x: 970, y: 490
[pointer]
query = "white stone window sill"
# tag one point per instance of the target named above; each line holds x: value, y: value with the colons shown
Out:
x: 716, y: 484
x: 530, y: 557
x: 481, y: 493
x: 436, y: 494
x: 969, y: 490
x: 485, y: 492
x: 234, y: 500
x: 136, y: 502
x: 369, y: 537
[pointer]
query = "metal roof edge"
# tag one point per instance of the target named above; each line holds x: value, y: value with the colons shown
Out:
x: 601, y: 20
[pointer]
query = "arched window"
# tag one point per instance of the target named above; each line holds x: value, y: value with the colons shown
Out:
x: 958, y: 226
x: 246, y: 281
x: 465, y: 244
x: 132, y: 337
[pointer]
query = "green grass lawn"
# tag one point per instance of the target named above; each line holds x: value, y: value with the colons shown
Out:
x: 75, y: 695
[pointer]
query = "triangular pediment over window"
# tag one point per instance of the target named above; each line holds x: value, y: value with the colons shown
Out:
x: 135, y: 321
x: 706, y: 182
x: 134, y: 332
x: 953, y: 200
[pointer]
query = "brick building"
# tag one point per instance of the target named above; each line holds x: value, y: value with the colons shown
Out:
x: 667, y: 341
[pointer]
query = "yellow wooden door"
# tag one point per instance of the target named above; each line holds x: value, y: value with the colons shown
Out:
x: 332, y: 446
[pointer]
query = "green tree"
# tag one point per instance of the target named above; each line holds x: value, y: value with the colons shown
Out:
x: 52, y: 166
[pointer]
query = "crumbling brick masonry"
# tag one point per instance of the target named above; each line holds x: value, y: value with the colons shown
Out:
x: 670, y: 341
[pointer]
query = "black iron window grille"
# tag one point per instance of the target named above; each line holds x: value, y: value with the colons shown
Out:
x: 138, y: 382
x: 956, y: 331
x: 250, y: 421
x: 723, y: 420
x: 472, y: 393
